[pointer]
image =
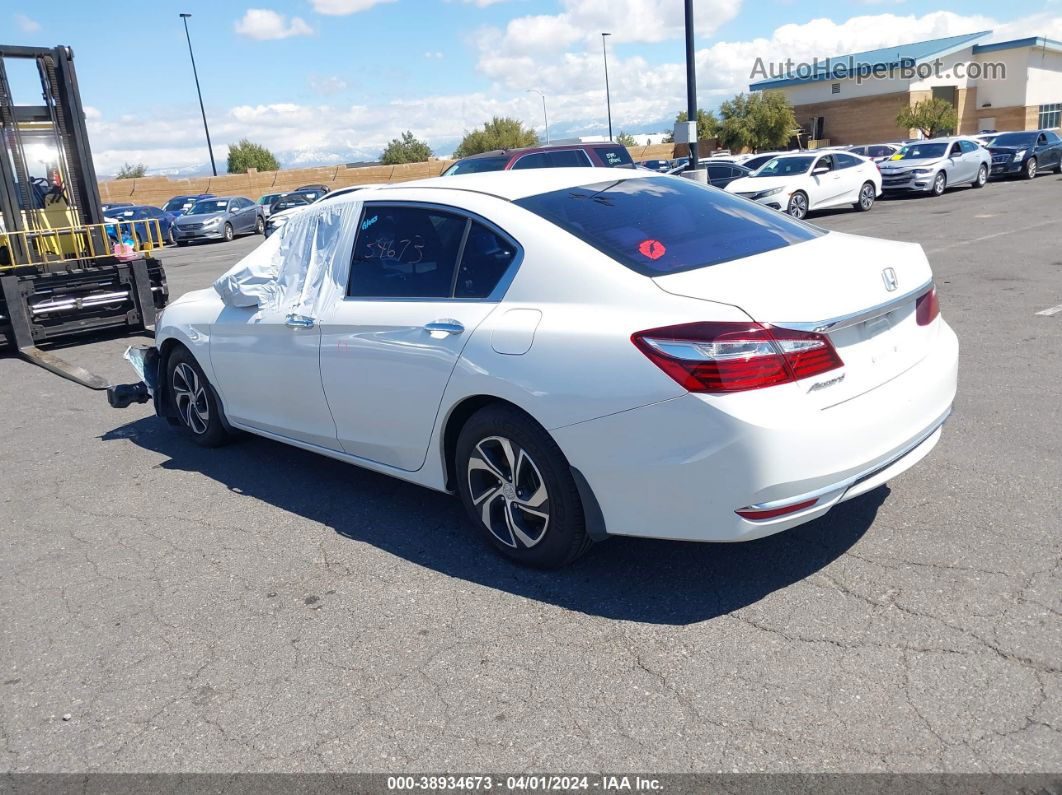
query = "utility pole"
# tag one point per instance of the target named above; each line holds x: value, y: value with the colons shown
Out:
x: 608, y: 96
x: 213, y: 165
x: 691, y: 82
x: 545, y: 120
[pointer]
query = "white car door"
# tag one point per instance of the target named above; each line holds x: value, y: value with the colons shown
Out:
x: 851, y: 177
x: 956, y: 166
x: 422, y: 278
x: 824, y: 188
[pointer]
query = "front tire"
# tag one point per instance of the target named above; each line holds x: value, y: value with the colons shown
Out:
x: 519, y: 490
x: 1029, y: 172
x: 259, y: 226
x: 193, y: 400
x: 228, y: 233
x: 867, y: 194
x: 798, y: 205
x: 940, y: 184
x: 982, y: 177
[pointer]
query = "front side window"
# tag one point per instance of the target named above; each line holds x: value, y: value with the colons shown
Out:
x: 405, y: 252
x: 824, y: 162
x: 661, y: 225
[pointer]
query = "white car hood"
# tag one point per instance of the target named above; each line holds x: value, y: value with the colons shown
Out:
x: 819, y: 279
x: 757, y: 184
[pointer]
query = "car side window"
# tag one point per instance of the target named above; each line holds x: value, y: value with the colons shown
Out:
x: 825, y: 162
x: 846, y: 161
x: 485, y: 259
x: 955, y: 150
x: 1041, y: 140
x: 1052, y: 138
x: 568, y: 158
x: 718, y: 172
x: 537, y: 160
x: 967, y: 146
x: 405, y: 252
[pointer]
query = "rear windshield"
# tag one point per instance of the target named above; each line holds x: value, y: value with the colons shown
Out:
x: 615, y: 156
x: 477, y: 164
x: 660, y: 225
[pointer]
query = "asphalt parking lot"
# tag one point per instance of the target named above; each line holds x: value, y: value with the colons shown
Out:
x: 259, y: 608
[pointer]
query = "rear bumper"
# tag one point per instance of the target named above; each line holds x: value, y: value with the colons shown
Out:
x: 680, y: 469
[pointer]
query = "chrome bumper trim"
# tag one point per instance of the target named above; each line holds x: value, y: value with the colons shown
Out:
x: 855, y: 318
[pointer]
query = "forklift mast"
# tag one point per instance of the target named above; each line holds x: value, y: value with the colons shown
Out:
x: 59, y: 271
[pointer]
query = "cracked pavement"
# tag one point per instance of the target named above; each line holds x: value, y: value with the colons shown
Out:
x: 259, y: 608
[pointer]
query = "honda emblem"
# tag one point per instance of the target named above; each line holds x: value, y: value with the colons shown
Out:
x: 889, y: 277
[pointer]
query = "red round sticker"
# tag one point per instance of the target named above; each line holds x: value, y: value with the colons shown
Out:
x: 653, y: 249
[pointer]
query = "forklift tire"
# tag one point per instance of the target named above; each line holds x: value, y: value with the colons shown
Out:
x: 194, y: 400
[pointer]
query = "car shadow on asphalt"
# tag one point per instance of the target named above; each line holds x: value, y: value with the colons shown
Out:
x: 631, y: 579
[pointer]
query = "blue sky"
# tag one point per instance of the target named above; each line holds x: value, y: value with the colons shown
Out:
x: 333, y: 80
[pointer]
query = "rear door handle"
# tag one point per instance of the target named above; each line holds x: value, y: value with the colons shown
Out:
x: 298, y: 321
x: 444, y: 326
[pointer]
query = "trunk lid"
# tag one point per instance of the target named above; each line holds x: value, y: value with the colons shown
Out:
x: 812, y: 283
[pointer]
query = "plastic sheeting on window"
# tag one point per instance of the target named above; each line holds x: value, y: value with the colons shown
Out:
x: 300, y: 270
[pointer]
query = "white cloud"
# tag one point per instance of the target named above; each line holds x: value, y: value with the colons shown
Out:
x: 481, y: 3
x: 327, y: 84
x: 344, y: 7
x: 434, y: 56
x: 27, y: 25
x: 263, y: 24
x: 645, y: 96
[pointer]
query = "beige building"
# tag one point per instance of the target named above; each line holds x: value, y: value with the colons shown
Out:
x: 854, y: 99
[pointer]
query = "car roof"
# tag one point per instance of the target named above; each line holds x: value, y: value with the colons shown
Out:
x: 512, y: 185
x: 543, y: 148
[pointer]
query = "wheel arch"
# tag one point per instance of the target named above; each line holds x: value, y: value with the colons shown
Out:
x: 462, y: 411
x: 164, y: 403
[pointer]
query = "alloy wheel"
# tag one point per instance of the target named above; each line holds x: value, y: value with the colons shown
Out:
x: 798, y: 205
x: 190, y: 398
x: 939, y: 184
x: 1030, y: 168
x: 866, y: 197
x: 982, y: 175
x: 508, y: 491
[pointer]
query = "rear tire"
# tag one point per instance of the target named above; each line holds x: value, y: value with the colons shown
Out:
x: 867, y: 194
x: 798, y: 205
x: 940, y: 184
x: 259, y: 226
x: 982, y: 177
x: 193, y: 400
x: 1029, y: 172
x: 518, y: 489
x: 1058, y: 168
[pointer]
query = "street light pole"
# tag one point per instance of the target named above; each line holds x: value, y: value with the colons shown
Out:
x: 691, y: 82
x: 608, y: 97
x: 545, y: 120
x: 213, y: 165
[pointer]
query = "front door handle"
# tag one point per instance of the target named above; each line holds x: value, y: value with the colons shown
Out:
x: 298, y: 321
x: 444, y: 326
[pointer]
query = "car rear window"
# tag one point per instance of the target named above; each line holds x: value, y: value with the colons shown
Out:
x: 615, y: 156
x: 660, y: 225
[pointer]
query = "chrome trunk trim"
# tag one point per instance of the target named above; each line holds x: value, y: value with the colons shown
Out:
x: 855, y: 318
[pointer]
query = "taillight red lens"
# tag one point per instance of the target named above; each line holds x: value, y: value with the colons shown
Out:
x: 736, y: 357
x: 927, y: 307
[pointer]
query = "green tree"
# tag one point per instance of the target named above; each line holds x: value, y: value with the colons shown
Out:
x: 763, y: 120
x: 407, y: 149
x: 932, y: 117
x: 130, y: 171
x: 625, y: 139
x: 246, y: 155
x: 707, y: 125
x: 498, y: 133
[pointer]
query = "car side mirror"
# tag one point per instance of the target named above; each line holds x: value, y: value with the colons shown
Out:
x: 820, y: 170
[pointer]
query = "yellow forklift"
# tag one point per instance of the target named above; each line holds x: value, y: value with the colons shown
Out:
x: 64, y: 269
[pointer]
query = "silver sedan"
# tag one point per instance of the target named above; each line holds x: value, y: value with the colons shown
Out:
x: 935, y: 165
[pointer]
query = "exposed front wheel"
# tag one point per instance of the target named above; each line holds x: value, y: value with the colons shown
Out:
x: 798, y: 205
x: 982, y: 177
x: 940, y: 183
x: 1029, y: 171
x: 193, y: 400
x: 518, y: 489
x: 866, y: 197
x: 259, y: 226
x: 228, y: 233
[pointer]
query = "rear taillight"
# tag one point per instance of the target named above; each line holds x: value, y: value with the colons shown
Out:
x: 736, y: 357
x: 927, y: 307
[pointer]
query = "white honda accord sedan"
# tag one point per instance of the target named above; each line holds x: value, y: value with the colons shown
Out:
x: 577, y: 353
